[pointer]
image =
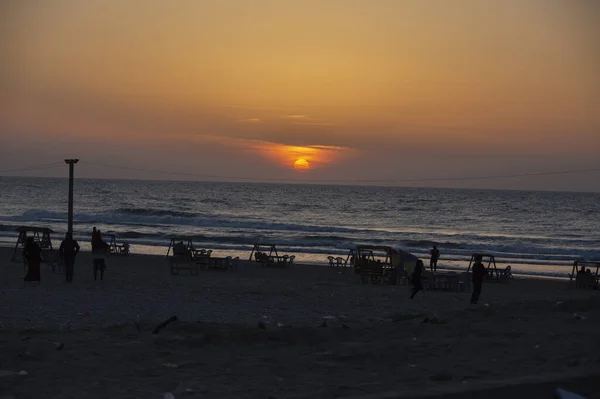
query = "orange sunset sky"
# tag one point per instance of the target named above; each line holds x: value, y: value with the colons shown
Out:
x: 357, y: 90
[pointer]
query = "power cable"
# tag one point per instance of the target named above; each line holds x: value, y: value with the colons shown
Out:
x: 34, y: 167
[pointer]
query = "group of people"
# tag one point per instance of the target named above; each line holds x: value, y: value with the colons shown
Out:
x: 479, y: 273
x: 68, y: 250
x: 585, y: 278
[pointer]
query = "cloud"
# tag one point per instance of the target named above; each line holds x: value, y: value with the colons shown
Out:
x: 285, y: 155
x: 251, y: 120
x: 295, y: 116
x: 315, y: 124
x: 329, y: 147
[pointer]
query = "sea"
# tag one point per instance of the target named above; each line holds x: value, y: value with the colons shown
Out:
x: 537, y: 233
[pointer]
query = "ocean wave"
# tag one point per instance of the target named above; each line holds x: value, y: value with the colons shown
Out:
x: 154, y: 212
x: 223, y: 201
x: 430, y: 244
x: 155, y: 218
x: 155, y: 225
x: 132, y: 234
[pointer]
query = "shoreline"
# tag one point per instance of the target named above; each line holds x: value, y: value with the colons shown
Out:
x: 558, y: 271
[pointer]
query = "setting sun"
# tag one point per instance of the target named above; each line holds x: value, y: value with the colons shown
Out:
x: 301, y: 163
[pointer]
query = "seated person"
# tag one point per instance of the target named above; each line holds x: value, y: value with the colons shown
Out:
x: 585, y: 278
x: 180, y: 249
x: 125, y: 248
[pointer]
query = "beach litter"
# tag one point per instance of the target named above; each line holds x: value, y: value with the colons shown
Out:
x: 578, y: 316
x: 433, y: 319
x: 137, y: 325
x: 168, y: 395
x: 562, y: 394
x: 441, y: 377
x: 164, y: 324
x: 8, y: 373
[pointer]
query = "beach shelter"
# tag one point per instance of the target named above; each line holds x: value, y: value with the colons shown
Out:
x: 115, y: 248
x: 383, y: 263
x: 258, y: 248
x: 174, y: 240
x: 350, y: 258
x: 593, y: 265
x: 491, y: 265
x: 40, y: 234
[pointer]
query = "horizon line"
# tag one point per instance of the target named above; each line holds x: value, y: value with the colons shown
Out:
x: 318, y: 183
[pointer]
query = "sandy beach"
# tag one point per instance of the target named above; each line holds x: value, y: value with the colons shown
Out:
x: 323, y: 336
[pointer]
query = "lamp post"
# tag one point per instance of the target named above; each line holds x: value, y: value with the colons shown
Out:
x: 71, y: 163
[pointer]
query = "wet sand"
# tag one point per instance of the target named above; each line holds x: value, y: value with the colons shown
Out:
x: 305, y: 332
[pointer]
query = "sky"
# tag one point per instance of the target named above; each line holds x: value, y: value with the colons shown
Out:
x: 364, y: 91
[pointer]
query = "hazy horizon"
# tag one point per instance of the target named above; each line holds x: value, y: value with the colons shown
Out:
x: 417, y: 185
x: 312, y: 90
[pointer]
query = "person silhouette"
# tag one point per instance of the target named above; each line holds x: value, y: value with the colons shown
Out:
x: 479, y: 273
x: 416, y: 278
x: 99, y: 249
x: 33, y: 254
x: 435, y: 255
x: 69, y: 248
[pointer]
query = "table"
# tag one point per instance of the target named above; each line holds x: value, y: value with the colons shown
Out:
x: 279, y: 260
x: 448, y: 282
x: 208, y: 262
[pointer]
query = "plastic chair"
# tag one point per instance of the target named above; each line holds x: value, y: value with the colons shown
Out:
x: 330, y: 259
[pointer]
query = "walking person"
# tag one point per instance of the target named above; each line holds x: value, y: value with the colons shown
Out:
x: 479, y: 273
x: 69, y: 248
x: 32, y: 253
x: 416, y: 278
x: 435, y: 255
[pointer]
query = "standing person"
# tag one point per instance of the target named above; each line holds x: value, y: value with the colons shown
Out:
x: 99, y: 249
x: 479, y: 273
x: 33, y: 254
x: 69, y: 248
x: 96, y: 237
x: 435, y: 255
x: 416, y: 278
